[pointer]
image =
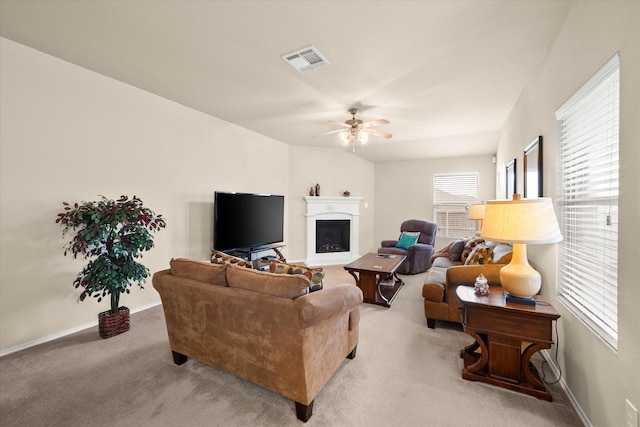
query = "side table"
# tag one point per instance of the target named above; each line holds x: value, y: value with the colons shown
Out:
x: 506, y: 336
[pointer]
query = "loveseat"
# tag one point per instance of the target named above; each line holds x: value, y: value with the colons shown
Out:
x: 264, y: 327
x: 460, y: 263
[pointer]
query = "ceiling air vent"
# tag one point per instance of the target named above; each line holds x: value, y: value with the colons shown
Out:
x: 306, y: 59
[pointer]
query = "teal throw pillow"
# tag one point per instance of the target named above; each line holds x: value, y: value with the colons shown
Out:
x: 407, y: 239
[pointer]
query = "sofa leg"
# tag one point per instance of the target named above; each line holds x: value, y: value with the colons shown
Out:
x: 431, y: 323
x: 352, y: 355
x: 304, y: 412
x: 178, y: 358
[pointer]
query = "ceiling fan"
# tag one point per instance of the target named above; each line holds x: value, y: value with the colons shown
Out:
x: 357, y: 130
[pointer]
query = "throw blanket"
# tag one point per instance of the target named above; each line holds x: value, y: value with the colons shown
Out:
x: 444, y: 252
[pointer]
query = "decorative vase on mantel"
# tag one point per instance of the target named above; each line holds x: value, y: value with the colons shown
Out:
x: 317, y: 189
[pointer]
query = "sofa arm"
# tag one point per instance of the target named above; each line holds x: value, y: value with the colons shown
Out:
x: 389, y: 243
x: 421, y: 250
x: 328, y: 302
x: 466, y: 274
x: 433, y: 292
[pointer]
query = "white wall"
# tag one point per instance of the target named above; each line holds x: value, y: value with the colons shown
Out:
x: 336, y: 170
x: 69, y: 134
x: 599, y: 377
x: 404, y: 190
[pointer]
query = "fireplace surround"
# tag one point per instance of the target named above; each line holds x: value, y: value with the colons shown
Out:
x: 340, y: 219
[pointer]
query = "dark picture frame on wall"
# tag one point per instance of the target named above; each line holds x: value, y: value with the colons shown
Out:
x: 511, y: 178
x: 533, y: 169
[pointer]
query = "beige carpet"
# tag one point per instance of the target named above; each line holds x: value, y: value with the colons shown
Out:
x: 404, y: 375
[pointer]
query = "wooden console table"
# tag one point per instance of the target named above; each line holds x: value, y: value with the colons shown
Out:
x: 506, y: 336
x: 377, y: 277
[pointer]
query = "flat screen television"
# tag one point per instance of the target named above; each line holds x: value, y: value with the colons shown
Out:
x: 244, y: 221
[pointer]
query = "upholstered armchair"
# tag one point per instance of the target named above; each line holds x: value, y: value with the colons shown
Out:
x: 418, y: 253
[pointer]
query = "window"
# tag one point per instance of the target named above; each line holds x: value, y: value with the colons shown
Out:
x: 452, y: 195
x: 588, y: 201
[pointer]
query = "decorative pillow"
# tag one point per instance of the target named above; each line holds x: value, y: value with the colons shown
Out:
x: 198, y: 270
x: 455, y: 250
x: 491, y: 244
x: 218, y: 257
x: 481, y: 254
x: 407, y: 238
x: 279, y: 285
x: 502, y: 253
x: 468, y: 247
x: 315, y: 275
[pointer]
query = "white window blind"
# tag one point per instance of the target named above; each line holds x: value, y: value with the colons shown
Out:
x: 452, y: 195
x: 588, y: 201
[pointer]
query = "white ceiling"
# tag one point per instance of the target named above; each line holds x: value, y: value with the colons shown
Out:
x: 445, y: 74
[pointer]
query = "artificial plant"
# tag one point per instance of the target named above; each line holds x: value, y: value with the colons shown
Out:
x: 112, y: 233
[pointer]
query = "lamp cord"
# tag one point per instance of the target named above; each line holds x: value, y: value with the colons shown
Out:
x: 544, y: 362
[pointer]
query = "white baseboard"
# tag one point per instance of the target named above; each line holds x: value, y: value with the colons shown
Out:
x: 556, y: 371
x: 64, y: 333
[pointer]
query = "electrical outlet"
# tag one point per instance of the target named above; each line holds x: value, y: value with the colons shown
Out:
x: 631, y: 415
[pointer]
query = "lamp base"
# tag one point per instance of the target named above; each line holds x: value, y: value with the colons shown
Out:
x: 519, y: 300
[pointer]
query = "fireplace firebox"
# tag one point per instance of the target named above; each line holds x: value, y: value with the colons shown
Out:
x: 333, y: 236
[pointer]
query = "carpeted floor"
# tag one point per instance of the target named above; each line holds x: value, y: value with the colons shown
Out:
x: 404, y: 375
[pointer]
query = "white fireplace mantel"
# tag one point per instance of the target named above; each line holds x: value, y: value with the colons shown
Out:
x: 332, y: 208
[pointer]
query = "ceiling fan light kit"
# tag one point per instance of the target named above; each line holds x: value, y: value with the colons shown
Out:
x: 357, y: 131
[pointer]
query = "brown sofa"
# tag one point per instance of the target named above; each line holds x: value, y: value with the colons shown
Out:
x: 448, y: 271
x: 264, y: 327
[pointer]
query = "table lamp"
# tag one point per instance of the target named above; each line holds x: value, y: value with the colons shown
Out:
x: 476, y: 211
x: 521, y: 222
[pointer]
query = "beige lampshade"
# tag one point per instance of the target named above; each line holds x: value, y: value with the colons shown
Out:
x: 476, y: 211
x: 521, y: 221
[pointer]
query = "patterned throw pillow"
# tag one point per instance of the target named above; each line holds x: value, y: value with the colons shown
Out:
x: 481, y: 254
x: 218, y: 257
x: 468, y: 247
x: 315, y: 275
x: 502, y: 253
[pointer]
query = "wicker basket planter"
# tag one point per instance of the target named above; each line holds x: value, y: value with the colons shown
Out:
x: 111, y: 324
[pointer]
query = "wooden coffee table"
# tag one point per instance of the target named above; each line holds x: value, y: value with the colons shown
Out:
x: 376, y: 277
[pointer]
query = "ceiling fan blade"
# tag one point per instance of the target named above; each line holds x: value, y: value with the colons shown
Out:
x: 378, y: 133
x: 375, y: 123
x: 347, y: 125
x: 331, y: 131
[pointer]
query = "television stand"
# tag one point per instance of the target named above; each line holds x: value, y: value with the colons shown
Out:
x: 252, y: 254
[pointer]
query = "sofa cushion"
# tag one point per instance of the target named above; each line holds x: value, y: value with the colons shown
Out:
x: 407, y: 238
x: 481, y: 254
x: 278, y: 285
x: 502, y: 253
x: 315, y: 275
x: 218, y: 257
x: 444, y: 262
x: 199, y: 270
x: 436, y: 275
x: 468, y: 247
x: 455, y: 250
